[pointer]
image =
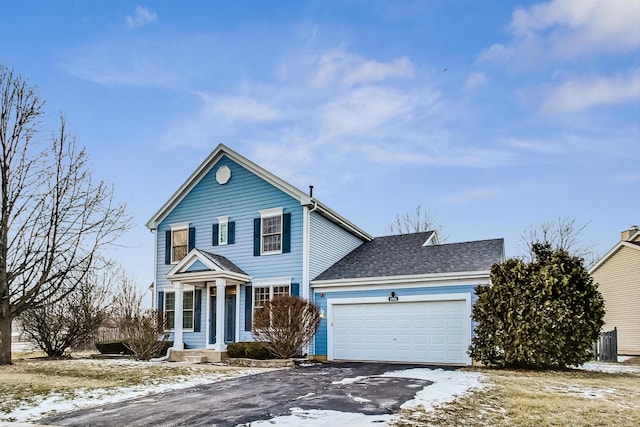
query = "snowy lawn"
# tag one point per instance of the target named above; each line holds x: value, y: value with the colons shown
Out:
x: 526, y: 398
x: 30, y: 389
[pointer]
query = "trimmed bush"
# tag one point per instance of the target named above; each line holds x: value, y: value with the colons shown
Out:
x: 249, y: 350
x: 113, y: 347
x: 543, y: 314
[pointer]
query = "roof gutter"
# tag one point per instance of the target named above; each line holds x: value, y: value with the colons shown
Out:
x: 412, y: 278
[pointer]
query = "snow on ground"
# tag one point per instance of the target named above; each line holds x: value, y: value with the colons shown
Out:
x: 346, y: 381
x: 447, y: 385
x: 317, y: 418
x: 82, y: 398
x: 611, y: 368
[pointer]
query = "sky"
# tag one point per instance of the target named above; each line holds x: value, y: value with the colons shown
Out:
x: 494, y: 116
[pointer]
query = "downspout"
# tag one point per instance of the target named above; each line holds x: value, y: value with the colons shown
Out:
x: 306, y: 248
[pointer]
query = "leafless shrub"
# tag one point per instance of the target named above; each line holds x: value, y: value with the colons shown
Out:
x: 285, y: 324
x: 144, y: 330
x: 63, y: 323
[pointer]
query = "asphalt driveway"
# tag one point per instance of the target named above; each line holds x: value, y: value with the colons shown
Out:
x: 345, y: 387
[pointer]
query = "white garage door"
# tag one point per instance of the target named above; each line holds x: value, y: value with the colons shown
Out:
x: 427, y: 332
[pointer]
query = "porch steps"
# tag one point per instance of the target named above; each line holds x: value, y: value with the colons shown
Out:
x: 197, y: 356
x: 195, y: 359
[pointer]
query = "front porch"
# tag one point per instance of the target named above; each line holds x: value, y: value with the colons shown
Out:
x: 218, y: 282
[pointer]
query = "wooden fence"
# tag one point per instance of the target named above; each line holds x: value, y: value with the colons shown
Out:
x: 606, y: 348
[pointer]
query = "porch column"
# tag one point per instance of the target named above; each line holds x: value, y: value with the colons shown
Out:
x: 237, y: 337
x: 178, y: 344
x: 221, y: 284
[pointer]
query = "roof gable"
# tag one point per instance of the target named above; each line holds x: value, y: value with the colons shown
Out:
x: 197, y: 261
x: 407, y: 254
x: 633, y: 244
x: 213, y: 158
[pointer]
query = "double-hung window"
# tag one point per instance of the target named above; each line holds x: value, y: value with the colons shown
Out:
x: 187, y: 309
x: 271, y: 231
x: 179, y: 241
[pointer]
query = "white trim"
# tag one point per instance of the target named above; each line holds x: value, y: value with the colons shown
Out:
x: 271, y: 281
x: 271, y: 213
x: 432, y: 240
x: 411, y: 278
x: 179, y: 226
x: 463, y: 296
x: 154, y: 297
x: 223, y: 174
x: 237, y: 328
x: 396, y: 286
x: 222, y: 150
x: 306, y: 226
x: 612, y: 251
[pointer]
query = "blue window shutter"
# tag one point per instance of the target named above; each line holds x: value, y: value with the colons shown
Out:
x: 295, y: 289
x: 167, y: 247
x: 256, y: 237
x: 286, y: 233
x: 160, y: 302
x: 232, y: 232
x: 197, y: 310
x: 215, y: 235
x: 248, y: 306
x: 192, y: 238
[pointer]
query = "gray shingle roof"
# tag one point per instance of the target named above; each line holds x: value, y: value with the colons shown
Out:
x: 223, y: 262
x: 404, y: 255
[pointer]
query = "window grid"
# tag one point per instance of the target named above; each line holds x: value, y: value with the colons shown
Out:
x: 279, y: 291
x: 260, y: 297
x: 187, y: 310
x: 170, y: 309
x: 272, y: 234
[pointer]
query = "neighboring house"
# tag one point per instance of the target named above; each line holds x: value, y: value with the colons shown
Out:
x: 618, y: 276
x: 234, y: 236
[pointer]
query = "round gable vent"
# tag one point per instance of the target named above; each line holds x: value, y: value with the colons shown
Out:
x: 223, y: 174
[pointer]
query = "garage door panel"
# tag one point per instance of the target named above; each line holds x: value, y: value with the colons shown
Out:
x: 429, y: 331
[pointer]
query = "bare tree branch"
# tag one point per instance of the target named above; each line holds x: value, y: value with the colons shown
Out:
x: 418, y: 221
x: 562, y: 233
x: 54, y: 217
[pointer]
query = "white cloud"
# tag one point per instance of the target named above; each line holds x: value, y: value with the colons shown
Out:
x: 365, y: 109
x: 141, y: 17
x: 348, y: 70
x: 238, y: 108
x: 567, y: 29
x: 585, y: 93
x: 474, y: 81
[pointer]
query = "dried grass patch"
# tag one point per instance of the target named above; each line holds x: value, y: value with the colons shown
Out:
x: 27, y: 380
x: 523, y: 398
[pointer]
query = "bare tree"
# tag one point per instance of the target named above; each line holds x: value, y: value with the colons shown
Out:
x: 285, y: 324
x: 54, y: 216
x: 562, y: 233
x: 68, y: 321
x: 415, y: 222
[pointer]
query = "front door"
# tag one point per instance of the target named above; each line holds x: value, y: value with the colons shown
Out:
x: 229, y: 315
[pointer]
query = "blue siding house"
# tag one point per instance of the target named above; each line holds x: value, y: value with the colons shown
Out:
x: 234, y: 236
